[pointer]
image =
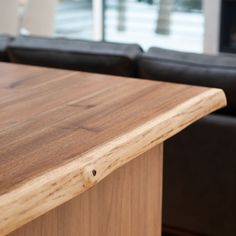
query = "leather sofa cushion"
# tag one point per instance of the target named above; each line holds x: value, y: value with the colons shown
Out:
x: 4, y: 41
x: 98, y: 57
x: 189, y: 68
x: 199, y: 188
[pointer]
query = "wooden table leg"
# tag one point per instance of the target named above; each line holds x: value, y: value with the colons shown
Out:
x: 126, y: 203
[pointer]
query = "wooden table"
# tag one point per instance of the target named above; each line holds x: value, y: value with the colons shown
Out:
x: 81, y: 154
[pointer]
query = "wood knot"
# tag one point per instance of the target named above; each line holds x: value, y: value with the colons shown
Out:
x: 89, y: 176
x: 94, y: 172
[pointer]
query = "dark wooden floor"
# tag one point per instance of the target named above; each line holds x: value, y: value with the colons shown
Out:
x: 168, y: 231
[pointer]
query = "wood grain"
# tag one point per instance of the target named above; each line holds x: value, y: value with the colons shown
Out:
x: 57, y: 126
x: 127, y: 202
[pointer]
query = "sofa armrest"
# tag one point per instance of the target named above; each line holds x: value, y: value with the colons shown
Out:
x: 189, y: 68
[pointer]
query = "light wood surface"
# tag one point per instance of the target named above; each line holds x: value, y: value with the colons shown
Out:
x: 127, y: 202
x: 58, y: 127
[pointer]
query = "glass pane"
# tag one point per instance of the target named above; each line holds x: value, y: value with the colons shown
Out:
x: 173, y: 24
x: 74, y: 19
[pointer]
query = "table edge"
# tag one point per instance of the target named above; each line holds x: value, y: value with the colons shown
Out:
x: 43, y: 193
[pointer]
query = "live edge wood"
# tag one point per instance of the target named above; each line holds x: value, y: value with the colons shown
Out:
x: 127, y: 202
x: 62, y: 132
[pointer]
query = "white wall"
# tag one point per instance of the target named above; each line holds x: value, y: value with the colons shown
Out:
x: 97, y: 19
x: 8, y: 17
x: 211, y: 26
x: 39, y: 17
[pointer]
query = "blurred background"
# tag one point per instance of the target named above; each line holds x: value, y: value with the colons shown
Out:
x: 172, y: 24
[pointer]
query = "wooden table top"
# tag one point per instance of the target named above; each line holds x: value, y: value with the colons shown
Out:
x: 62, y: 131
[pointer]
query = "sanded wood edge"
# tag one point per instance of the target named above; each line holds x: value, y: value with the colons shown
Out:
x: 63, y: 183
x: 126, y: 203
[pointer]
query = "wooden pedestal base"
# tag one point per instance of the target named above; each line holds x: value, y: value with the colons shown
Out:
x: 126, y: 203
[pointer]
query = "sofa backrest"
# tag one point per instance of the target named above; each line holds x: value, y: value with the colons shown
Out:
x: 98, y: 57
x: 189, y: 68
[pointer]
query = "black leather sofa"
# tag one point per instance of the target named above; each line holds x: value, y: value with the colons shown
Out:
x: 98, y: 57
x: 4, y: 42
x: 200, y: 162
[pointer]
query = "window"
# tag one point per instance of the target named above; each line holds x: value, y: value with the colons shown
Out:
x: 165, y: 23
x: 173, y: 24
x: 74, y: 19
